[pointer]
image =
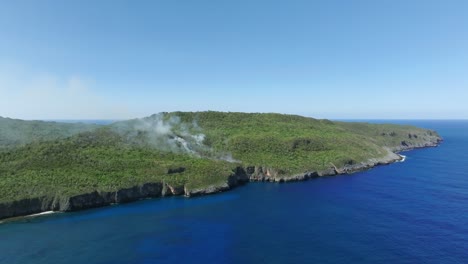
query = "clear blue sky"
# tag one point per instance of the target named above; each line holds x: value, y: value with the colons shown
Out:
x: 328, y: 59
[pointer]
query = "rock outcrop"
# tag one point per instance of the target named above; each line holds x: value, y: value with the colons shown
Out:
x: 238, y: 177
x: 407, y: 145
x: 80, y: 202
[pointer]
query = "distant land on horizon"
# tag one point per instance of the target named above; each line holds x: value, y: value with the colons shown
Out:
x: 357, y: 119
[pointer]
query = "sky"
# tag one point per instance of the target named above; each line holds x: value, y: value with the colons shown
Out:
x: 114, y: 59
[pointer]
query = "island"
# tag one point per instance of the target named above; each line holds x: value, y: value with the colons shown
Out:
x: 53, y: 166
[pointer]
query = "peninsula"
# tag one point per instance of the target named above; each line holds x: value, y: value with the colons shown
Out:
x: 50, y: 166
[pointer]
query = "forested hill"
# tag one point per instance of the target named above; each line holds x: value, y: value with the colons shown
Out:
x: 57, y: 166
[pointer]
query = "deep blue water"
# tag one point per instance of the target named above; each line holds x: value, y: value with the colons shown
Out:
x: 411, y: 212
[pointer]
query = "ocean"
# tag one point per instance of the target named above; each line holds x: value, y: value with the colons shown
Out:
x: 410, y: 212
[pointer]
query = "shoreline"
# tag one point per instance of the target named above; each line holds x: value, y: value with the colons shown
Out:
x: 403, y: 158
x: 16, y: 218
x: 37, y: 207
x: 42, y: 213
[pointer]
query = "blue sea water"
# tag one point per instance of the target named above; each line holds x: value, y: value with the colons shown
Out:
x: 410, y: 212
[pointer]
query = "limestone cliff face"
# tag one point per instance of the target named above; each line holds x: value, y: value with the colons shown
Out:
x: 80, y: 202
x: 22, y: 207
x: 432, y: 141
x: 98, y: 199
x: 238, y: 177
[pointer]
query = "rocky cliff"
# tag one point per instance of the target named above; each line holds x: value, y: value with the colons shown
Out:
x: 100, y: 199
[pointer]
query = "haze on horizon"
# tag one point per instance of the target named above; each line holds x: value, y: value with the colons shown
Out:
x: 327, y: 59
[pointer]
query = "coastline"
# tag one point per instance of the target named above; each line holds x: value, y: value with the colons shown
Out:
x: 42, y: 213
x: 403, y: 158
x: 27, y: 216
x: 43, y: 206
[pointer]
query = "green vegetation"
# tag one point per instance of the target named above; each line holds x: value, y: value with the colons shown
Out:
x: 98, y: 160
x: 194, y: 150
x: 14, y: 132
x: 294, y: 144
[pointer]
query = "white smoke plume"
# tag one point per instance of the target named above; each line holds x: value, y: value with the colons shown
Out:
x: 169, y: 133
x: 227, y: 157
x: 164, y: 132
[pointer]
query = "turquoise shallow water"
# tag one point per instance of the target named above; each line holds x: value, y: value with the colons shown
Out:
x: 410, y: 212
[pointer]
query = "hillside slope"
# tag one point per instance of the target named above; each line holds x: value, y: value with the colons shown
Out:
x: 185, y: 153
x: 15, y: 132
